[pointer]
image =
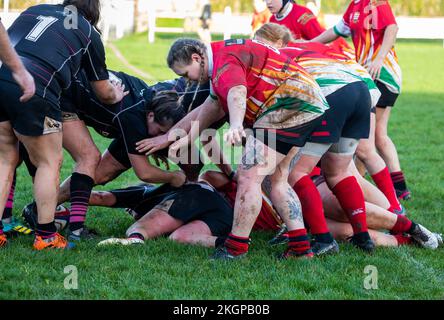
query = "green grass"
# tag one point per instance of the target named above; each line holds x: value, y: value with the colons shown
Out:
x: 165, y: 270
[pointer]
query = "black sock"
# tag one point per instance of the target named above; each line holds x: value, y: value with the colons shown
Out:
x: 398, y: 181
x: 1, y: 227
x: 81, y: 187
x: 323, y: 237
x: 136, y: 235
x: 46, y: 231
x: 220, y: 241
x: 412, y: 228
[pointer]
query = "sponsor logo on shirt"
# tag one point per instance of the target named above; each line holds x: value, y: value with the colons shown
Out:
x: 305, y: 18
x: 355, y: 17
x: 357, y: 211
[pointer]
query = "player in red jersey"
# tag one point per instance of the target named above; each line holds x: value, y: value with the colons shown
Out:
x: 317, y: 58
x: 373, y: 28
x: 302, y: 22
x: 283, y: 102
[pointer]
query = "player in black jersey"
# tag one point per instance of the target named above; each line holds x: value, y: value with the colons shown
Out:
x: 142, y: 113
x: 54, y: 42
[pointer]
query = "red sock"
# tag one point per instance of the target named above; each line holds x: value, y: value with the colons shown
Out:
x: 298, y: 241
x: 350, y: 196
x: 403, y: 240
x: 237, y: 245
x: 402, y: 225
x: 384, y: 183
x: 311, y: 203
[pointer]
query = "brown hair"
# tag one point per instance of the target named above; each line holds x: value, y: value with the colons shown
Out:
x: 90, y: 9
x: 182, y: 50
x: 274, y: 32
x: 166, y: 107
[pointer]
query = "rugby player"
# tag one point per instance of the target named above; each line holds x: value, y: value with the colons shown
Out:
x: 373, y: 28
x: 165, y: 210
x: 345, y: 123
x: 53, y: 54
x: 143, y: 112
x: 9, y: 57
x: 302, y: 23
x: 241, y: 68
x: 314, y: 56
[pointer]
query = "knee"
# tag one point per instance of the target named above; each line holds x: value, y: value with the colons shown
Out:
x: 89, y: 157
x: 180, y: 236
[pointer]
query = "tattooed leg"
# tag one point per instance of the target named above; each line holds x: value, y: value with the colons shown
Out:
x: 283, y: 197
x: 249, y: 195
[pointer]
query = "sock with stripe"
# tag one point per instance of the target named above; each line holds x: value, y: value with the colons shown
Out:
x: 237, y: 245
x: 351, y: 198
x: 312, y: 209
x: 402, y: 225
x: 298, y: 241
x: 136, y: 235
x: 403, y: 240
x: 7, y: 212
x: 384, y: 183
x: 46, y: 231
x: 81, y: 187
x: 398, y: 180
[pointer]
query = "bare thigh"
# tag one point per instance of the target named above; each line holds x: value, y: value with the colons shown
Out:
x: 154, y: 224
x: 108, y: 169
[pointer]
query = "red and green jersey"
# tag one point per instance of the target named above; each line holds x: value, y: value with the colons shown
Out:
x: 280, y: 93
x: 303, y: 24
x: 331, y: 69
x: 366, y: 21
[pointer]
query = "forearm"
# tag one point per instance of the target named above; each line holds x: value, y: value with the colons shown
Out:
x: 326, y: 37
x: 237, y: 106
x: 389, y: 41
x: 7, y: 53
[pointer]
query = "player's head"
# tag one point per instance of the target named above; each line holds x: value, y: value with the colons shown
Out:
x: 164, y: 111
x: 90, y: 9
x: 276, y: 6
x: 274, y: 34
x: 188, y: 59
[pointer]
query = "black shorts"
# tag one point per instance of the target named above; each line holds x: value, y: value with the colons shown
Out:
x: 188, y: 203
x: 285, y: 139
x: 35, y: 118
x: 118, y: 150
x: 348, y: 116
x: 388, y: 98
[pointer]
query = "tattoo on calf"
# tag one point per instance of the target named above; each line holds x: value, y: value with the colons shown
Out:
x: 294, y: 205
x: 266, y: 185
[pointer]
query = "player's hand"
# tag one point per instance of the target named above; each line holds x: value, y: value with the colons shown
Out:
x: 26, y: 83
x: 234, y: 135
x: 119, y: 89
x: 151, y: 145
x: 179, y: 179
x: 376, y: 67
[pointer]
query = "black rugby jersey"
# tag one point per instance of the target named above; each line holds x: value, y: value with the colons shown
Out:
x: 54, y: 45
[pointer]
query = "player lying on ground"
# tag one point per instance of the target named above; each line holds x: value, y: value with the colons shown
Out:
x: 204, y: 218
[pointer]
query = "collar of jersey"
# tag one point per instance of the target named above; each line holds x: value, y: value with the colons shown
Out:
x: 210, y: 60
x: 285, y: 13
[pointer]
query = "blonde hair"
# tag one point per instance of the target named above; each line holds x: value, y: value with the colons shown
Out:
x: 274, y: 32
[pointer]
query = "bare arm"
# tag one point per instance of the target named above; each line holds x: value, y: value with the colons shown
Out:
x: 326, y: 37
x: 10, y: 58
x: 237, y: 106
x: 387, y: 44
x: 151, y: 174
x: 205, y: 115
x: 107, y: 92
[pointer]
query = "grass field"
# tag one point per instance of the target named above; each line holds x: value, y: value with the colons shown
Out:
x: 165, y: 270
